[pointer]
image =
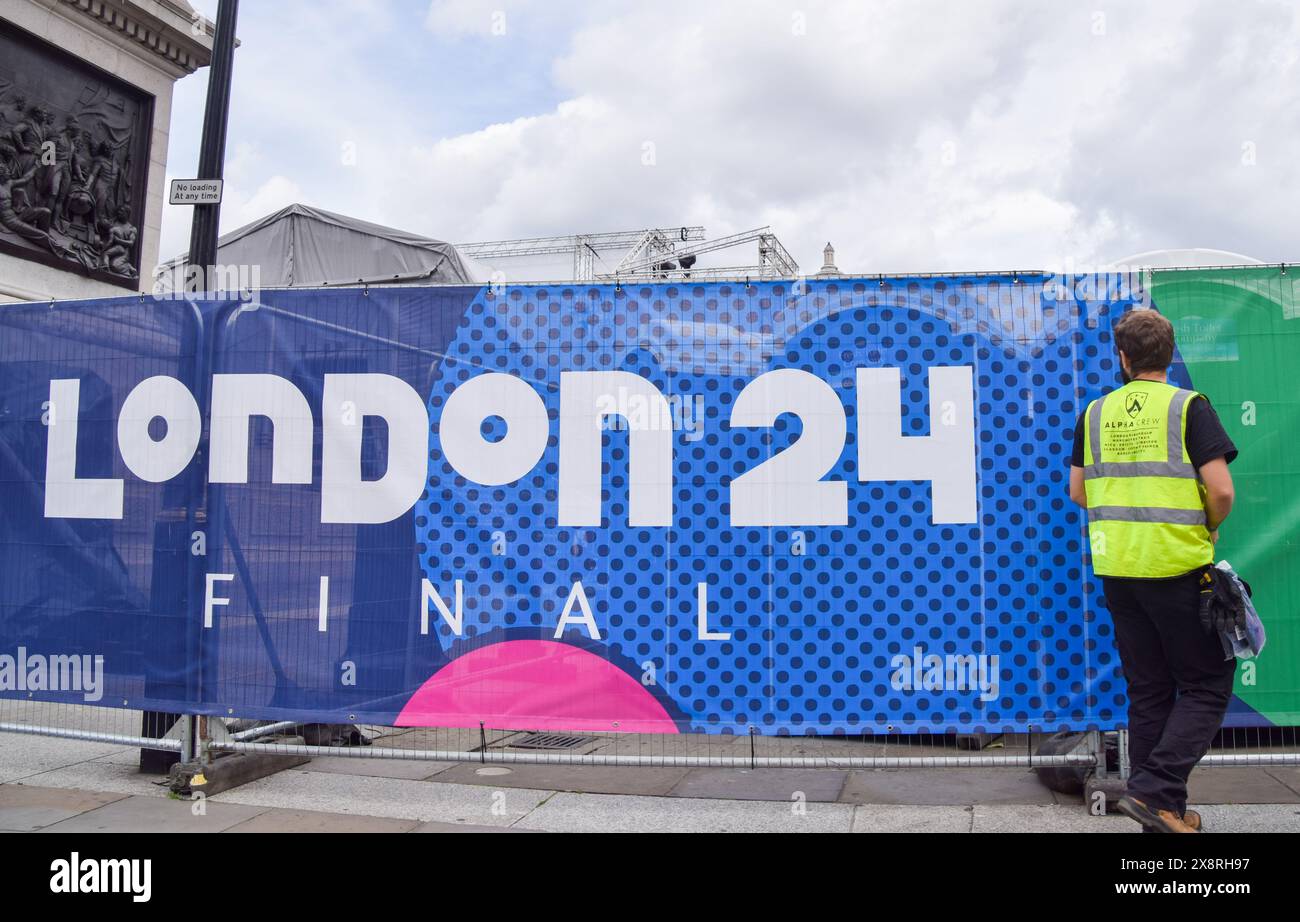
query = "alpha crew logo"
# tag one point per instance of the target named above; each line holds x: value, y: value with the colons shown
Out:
x: 1134, y: 403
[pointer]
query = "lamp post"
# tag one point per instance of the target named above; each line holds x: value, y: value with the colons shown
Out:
x: 212, y: 151
x: 203, y: 254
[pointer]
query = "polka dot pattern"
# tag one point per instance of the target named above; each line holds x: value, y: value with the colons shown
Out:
x: 817, y: 615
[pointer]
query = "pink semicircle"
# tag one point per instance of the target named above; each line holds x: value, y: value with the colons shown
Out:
x: 535, y: 685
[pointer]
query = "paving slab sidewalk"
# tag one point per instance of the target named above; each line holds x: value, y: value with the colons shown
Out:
x: 91, y: 787
x: 473, y: 808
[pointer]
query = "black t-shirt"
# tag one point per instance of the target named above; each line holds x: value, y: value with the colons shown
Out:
x: 1206, y: 438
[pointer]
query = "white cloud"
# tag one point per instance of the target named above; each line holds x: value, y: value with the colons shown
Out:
x: 914, y: 135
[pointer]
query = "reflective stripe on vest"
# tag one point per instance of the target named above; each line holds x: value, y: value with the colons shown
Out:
x: 1175, y: 466
x: 1146, y: 514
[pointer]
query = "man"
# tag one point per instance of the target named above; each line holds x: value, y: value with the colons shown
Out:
x: 66, y: 169
x: 27, y: 136
x: 31, y: 223
x: 1150, y: 464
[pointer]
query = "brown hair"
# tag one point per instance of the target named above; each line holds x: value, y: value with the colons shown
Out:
x: 1147, y: 338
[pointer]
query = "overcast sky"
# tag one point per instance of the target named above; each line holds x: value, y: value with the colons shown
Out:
x: 916, y: 136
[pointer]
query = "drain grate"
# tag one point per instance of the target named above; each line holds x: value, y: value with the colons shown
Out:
x: 550, y: 741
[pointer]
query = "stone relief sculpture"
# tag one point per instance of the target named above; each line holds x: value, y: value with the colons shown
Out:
x: 73, y: 144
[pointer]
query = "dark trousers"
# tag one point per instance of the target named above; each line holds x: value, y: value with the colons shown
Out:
x: 1179, y: 683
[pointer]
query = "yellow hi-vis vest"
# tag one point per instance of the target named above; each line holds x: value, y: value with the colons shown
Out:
x: 1146, y: 502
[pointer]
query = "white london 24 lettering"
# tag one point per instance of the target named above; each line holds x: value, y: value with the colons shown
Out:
x: 785, y: 489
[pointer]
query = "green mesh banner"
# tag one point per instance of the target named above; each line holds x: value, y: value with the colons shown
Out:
x: 1239, y: 338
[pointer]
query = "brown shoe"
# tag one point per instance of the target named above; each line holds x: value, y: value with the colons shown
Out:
x: 1157, y: 820
x: 1192, y: 819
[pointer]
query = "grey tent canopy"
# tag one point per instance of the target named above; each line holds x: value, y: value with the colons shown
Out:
x: 301, y: 246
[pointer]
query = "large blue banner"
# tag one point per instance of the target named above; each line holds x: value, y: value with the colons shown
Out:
x: 832, y: 506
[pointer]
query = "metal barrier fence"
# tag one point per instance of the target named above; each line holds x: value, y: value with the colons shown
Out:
x: 1239, y: 747
x: 1243, y: 747
x: 260, y: 557
x: 87, y: 723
